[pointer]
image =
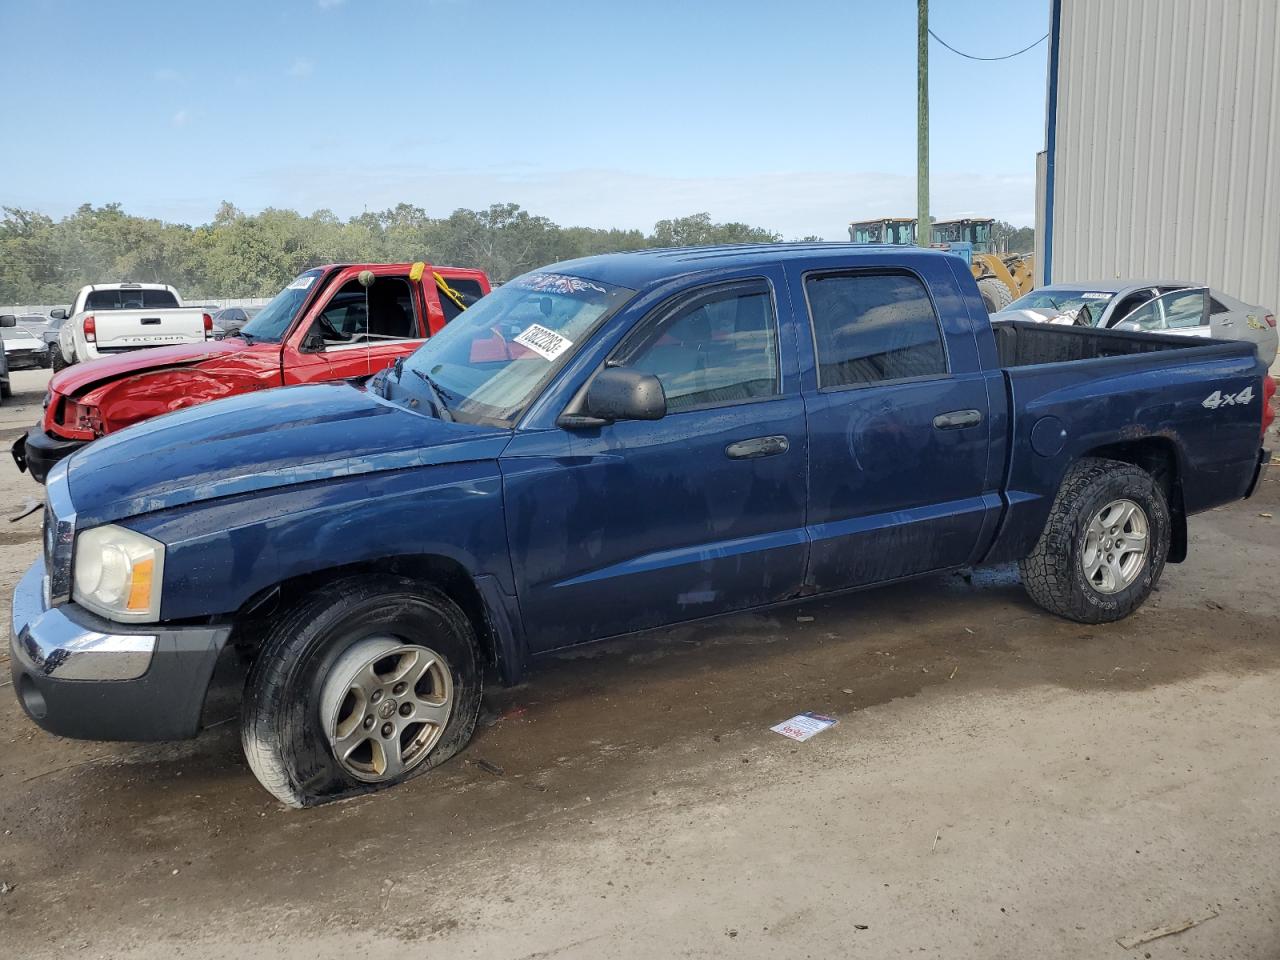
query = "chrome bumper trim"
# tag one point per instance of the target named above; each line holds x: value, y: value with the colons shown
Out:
x: 49, y: 641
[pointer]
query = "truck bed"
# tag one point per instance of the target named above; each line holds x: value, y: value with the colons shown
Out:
x: 1072, y: 391
x: 1025, y: 343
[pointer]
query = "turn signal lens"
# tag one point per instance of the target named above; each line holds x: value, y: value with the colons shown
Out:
x: 90, y: 329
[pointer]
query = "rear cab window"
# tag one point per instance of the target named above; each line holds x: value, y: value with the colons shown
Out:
x: 130, y: 298
x: 873, y: 328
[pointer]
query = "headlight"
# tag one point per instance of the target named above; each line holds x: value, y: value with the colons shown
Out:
x: 118, y: 574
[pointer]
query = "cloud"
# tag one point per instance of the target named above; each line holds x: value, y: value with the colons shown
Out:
x: 181, y: 118
x: 302, y: 67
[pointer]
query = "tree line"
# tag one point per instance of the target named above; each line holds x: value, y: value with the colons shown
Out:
x: 43, y: 260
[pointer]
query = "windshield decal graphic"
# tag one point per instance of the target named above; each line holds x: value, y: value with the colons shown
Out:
x: 302, y: 283
x: 546, y: 343
x: 1096, y: 296
x: 557, y: 283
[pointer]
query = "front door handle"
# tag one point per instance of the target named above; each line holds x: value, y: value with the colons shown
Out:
x: 757, y: 447
x: 957, y: 419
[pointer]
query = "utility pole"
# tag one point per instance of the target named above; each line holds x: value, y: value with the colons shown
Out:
x: 924, y: 227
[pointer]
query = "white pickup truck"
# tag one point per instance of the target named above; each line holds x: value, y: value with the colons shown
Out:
x: 108, y: 318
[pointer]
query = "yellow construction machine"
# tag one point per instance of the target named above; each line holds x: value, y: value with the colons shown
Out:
x: 1002, y: 277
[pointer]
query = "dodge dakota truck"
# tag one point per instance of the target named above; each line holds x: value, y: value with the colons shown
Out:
x: 330, y: 323
x: 110, y: 318
x: 601, y: 447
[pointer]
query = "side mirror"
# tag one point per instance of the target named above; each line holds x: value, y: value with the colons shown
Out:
x: 618, y: 393
x: 1128, y: 326
x: 8, y: 320
x: 313, y: 343
x: 58, y: 314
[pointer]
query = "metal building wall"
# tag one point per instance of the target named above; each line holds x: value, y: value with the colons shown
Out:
x: 1166, y: 146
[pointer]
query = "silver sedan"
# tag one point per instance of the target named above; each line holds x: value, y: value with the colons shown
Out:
x: 1155, y: 306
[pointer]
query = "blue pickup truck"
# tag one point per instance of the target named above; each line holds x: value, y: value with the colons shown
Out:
x: 601, y: 447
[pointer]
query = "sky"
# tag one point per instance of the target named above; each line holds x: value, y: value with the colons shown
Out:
x: 796, y: 116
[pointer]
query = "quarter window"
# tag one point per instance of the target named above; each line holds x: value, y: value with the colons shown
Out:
x: 719, y: 347
x: 869, y: 328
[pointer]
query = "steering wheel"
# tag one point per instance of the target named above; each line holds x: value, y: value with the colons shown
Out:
x: 328, y: 331
x: 1084, y: 316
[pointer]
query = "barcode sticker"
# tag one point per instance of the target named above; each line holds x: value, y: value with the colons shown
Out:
x: 546, y: 343
x: 805, y: 725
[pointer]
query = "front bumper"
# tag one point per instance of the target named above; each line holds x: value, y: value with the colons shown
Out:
x: 39, y: 451
x: 26, y: 359
x: 78, y: 675
x: 1259, y: 471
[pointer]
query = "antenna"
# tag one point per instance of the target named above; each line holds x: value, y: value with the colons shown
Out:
x: 366, y: 279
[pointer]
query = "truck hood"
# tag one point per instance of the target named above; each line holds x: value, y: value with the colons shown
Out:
x: 76, y: 379
x: 261, y: 441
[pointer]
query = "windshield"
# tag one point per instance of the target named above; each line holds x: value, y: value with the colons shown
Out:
x: 488, y: 364
x: 273, y: 322
x: 1063, y: 301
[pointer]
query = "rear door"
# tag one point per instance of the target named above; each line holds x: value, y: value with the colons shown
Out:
x: 638, y: 524
x: 899, y: 426
x: 358, y: 330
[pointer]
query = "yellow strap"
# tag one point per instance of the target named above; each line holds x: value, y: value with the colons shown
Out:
x: 448, y: 291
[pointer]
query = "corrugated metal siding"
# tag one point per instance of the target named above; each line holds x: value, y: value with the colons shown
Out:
x: 1167, y: 136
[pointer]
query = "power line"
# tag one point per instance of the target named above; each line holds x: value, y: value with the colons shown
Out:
x: 969, y: 56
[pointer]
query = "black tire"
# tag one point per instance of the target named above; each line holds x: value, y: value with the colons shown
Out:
x: 995, y: 294
x: 56, y: 362
x: 281, y: 728
x: 1054, y: 574
x: 6, y: 389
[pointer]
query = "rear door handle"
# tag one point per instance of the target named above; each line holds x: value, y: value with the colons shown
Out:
x: 150, y: 321
x: 957, y: 419
x: 757, y: 447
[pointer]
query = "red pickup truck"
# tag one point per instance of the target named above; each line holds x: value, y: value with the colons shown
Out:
x: 331, y: 323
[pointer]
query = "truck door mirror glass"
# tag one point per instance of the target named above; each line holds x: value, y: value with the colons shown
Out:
x: 314, y: 342
x: 1128, y: 326
x: 618, y: 393
x: 8, y: 320
x: 58, y: 314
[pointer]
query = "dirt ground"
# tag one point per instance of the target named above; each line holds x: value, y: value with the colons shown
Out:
x: 1001, y: 784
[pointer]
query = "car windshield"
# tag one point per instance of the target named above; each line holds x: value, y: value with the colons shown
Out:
x: 16, y: 333
x: 1063, y: 300
x: 273, y: 322
x: 487, y: 365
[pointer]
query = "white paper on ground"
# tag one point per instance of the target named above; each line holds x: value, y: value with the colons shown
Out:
x: 804, y: 725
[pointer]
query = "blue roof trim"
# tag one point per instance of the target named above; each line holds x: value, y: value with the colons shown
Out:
x: 1051, y: 138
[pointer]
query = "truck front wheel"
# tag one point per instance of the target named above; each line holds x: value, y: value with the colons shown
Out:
x: 363, y: 684
x: 1104, y: 546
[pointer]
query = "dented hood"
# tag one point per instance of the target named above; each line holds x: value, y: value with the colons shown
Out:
x: 262, y: 441
x: 73, y: 381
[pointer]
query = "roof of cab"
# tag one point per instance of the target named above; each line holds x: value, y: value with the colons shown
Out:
x: 639, y: 268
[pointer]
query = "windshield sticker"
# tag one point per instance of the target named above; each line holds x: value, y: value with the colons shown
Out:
x: 546, y: 343
x: 557, y: 283
x: 302, y: 283
x: 1095, y: 296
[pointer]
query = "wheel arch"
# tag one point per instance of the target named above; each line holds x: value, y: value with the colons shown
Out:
x: 1160, y: 457
x: 491, y: 612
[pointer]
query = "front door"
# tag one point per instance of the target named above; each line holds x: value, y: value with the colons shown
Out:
x: 637, y: 524
x: 898, y: 444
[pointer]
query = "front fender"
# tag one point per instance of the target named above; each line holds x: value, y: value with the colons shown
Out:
x: 222, y: 552
x: 133, y: 399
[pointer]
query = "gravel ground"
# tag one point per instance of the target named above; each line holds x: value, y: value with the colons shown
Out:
x: 1001, y: 784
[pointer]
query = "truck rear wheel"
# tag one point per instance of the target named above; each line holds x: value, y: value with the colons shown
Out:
x: 995, y: 294
x: 56, y: 361
x: 1104, y: 546
x: 364, y: 684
